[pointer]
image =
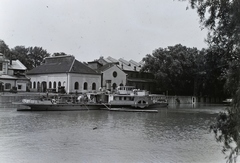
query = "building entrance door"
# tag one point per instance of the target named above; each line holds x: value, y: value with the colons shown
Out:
x: 44, y: 86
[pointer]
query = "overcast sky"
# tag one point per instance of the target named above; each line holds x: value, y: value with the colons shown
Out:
x: 88, y: 29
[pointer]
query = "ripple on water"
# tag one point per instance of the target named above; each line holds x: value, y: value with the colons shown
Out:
x: 169, y: 136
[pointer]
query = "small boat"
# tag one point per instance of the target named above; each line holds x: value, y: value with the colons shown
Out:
x: 227, y: 101
x: 128, y: 96
x: 158, y: 100
x: 91, y: 101
x: 125, y: 96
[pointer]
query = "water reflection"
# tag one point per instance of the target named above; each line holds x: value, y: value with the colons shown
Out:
x: 174, y: 134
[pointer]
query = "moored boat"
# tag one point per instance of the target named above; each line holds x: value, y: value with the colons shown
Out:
x: 128, y: 96
x: 125, y: 96
x: 227, y: 101
x: 91, y: 101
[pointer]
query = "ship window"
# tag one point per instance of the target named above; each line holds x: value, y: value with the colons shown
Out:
x: 34, y: 85
x: 50, y: 84
x: 125, y: 98
x: 54, y: 85
x: 76, y: 85
x: 59, y: 83
x: 85, y: 85
x: 93, y: 86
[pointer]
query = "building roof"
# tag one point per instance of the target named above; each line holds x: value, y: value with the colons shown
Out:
x: 62, y: 64
x: 13, y: 77
x: 125, y: 65
x: 110, y: 59
x: 107, y: 66
x: 17, y: 65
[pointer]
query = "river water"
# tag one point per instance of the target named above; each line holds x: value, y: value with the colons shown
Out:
x: 177, y: 134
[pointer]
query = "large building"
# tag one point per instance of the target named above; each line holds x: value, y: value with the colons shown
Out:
x: 12, y: 75
x: 121, y: 72
x: 64, y: 73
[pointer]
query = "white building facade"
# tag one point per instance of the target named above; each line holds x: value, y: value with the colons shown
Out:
x: 113, y: 76
x: 12, y: 75
x: 64, y: 72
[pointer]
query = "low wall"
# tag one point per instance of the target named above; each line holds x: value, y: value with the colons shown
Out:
x: 193, y: 100
x: 8, y: 98
x: 181, y: 99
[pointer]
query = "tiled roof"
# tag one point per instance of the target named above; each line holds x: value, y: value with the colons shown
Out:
x: 81, y: 68
x: 106, y: 66
x: 111, y: 59
x: 125, y: 65
x: 17, y: 65
x: 61, y: 64
x: 13, y: 77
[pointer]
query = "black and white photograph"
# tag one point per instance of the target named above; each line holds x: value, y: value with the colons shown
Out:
x: 119, y: 81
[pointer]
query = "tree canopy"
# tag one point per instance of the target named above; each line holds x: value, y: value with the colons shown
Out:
x: 222, y: 18
x: 175, y: 67
x: 30, y: 57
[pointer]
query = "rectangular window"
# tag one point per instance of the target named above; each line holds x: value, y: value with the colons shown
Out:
x: 19, y: 86
x: 7, y: 86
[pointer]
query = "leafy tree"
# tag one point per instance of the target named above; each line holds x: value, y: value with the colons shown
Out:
x: 30, y: 57
x: 21, y: 53
x: 214, y: 78
x: 221, y: 17
x: 4, y: 49
x: 36, y: 56
x: 174, y: 67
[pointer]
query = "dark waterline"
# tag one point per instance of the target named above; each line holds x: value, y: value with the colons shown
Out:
x: 174, y: 134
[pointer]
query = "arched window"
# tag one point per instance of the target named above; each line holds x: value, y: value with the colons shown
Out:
x: 34, y: 85
x: 38, y: 86
x: 59, y: 83
x: 50, y: 85
x: 7, y: 85
x: 54, y: 84
x: 114, y: 85
x: 85, y: 86
x: 76, y: 85
x: 93, y: 86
